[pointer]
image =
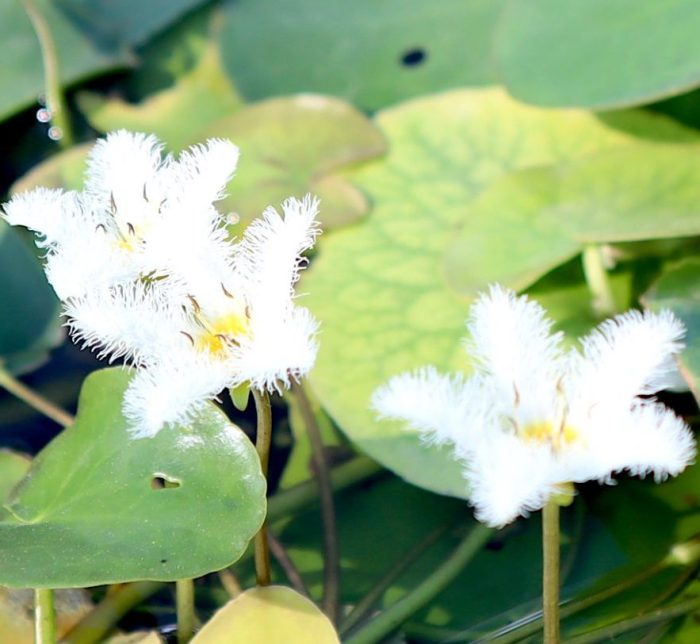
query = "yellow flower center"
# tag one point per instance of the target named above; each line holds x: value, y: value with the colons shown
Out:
x: 544, y: 431
x: 219, y: 334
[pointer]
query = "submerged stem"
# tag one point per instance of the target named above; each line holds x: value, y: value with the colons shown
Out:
x: 263, y: 440
x: 364, y: 606
x: 331, y: 557
x: 648, y: 619
x: 33, y: 399
x: 285, y: 561
x: 550, y: 576
x: 396, y: 614
x: 44, y: 616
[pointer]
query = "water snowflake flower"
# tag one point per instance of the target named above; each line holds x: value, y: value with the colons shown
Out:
x: 147, y: 272
x: 535, y: 418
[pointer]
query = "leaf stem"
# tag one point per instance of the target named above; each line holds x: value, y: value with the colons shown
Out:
x: 598, y: 281
x: 397, y: 613
x: 550, y: 575
x: 263, y: 440
x: 33, y: 399
x: 184, y: 600
x: 331, y: 557
x: 44, y: 616
x: 230, y: 583
x: 285, y: 561
x: 54, y: 95
x: 101, y: 620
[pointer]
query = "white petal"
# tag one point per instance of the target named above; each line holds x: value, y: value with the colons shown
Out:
x: 281, y: 349
x: 647, y: 439
x: 125, y: 179
x: 630, y: 355
x: 42, y: 210
x: 201, y: 173
x: 508, y: 477
x: 512, y: 342
x: 269, y: 255
x: 443, y: 408
x: 172, y: 391
x: 130, y: 321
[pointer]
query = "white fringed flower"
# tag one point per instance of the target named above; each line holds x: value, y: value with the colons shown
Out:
x: 535, y: 418
x: 144, y: 265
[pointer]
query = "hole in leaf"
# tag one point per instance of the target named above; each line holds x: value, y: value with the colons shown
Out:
x: 163, y: 561
x: 162, y: 481
x: 413, y: 57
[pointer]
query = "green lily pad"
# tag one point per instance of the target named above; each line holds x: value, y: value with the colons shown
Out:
x: 678, y: 289
x: 29, y: 322
x: 268, y: 614
x: 598, y: 53
x: 22, y: 71
x: 379, y: 288
x: 99, y: 507
x: 370, y: 53
x: 200, y: 96
x: 294, y: 145
x: 531, y: 221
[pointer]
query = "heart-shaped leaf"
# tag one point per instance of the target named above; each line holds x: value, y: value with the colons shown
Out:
x: 379, y: 287
x: 268, y: 614
x: 99, y: 507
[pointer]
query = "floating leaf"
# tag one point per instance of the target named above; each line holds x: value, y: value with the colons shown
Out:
x: 678, y: 289
x: 28, y: 306
x: 530, y: 222
x: 379, y: 287
x: 268, y: 614
x: 202, y: 95
x: 598, y: 53
x: 294, y: 145
x: 370, y: 53
x: 99, y: 507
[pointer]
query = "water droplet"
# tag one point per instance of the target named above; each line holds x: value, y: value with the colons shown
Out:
x: 55, y: 133
x: 41, y: 99
x: 43, y: 115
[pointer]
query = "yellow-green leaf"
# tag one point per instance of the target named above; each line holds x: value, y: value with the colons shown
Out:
x: 268, y: 615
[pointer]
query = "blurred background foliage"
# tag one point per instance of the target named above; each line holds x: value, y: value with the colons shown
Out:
x: 553, y: 147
